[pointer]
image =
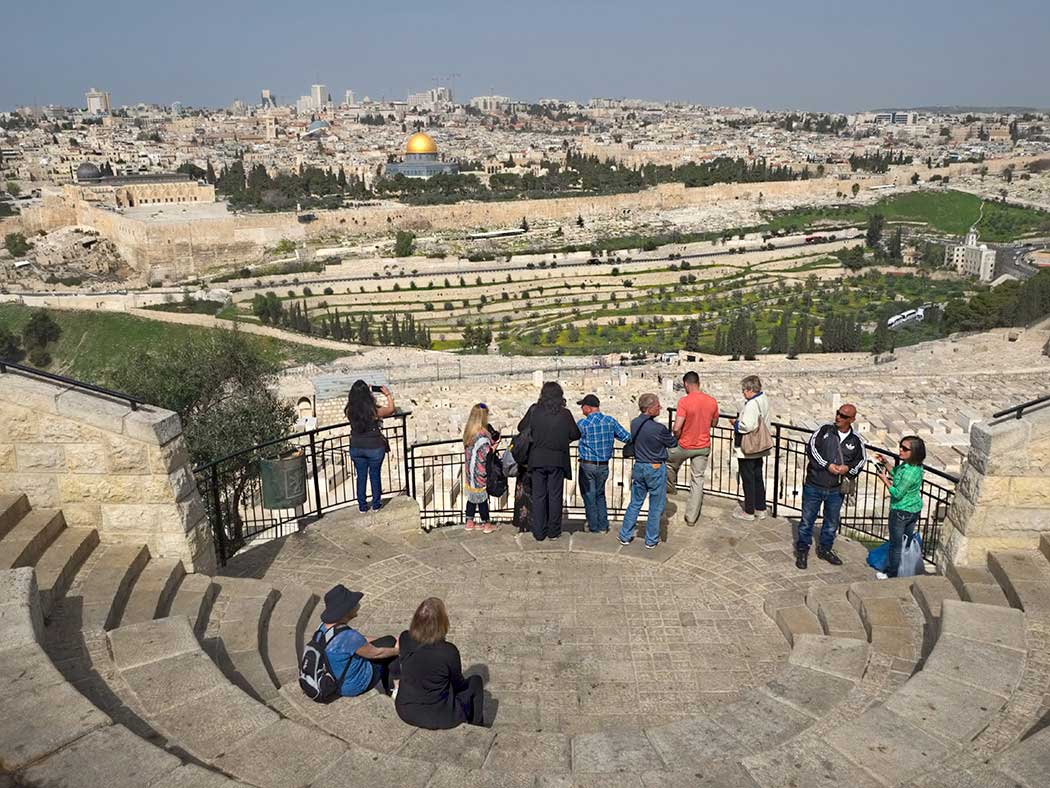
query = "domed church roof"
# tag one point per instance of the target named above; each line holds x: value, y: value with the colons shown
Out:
x: 420, y: 143
x: 88, y: 172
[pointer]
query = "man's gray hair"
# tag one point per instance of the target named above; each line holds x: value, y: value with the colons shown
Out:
x: 646, y: 401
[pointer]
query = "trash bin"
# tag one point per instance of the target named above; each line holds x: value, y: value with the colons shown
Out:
x: 283, y: 481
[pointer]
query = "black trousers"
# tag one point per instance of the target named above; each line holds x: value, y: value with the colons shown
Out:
x: 470, y: 702
x: 753, y: 482
x: 548, y: 489
x: 385, y: 670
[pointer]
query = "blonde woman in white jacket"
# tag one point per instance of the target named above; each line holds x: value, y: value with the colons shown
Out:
x: 756, y: 408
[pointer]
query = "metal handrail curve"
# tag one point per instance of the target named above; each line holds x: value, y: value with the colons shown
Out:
x: 1020, y: 409
x: 134, y: 402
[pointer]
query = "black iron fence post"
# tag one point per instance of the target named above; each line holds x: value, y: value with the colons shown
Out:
x: 776, y: 469
x: 317, y: 481
x: 217, y: 526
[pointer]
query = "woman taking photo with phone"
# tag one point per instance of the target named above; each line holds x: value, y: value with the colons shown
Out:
x: 368, y: 445
x: 905, y: 486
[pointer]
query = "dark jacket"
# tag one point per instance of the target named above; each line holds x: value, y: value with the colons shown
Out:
x: 431, y: 675
x: 551, y: 435
x: 824, y: 449
x: 651, y: 439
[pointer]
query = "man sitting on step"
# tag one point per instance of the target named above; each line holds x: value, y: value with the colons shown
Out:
x: 362, y: 663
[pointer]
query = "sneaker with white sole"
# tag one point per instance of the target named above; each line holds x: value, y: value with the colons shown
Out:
x: 761, y: 514
x: 881, y: 576
x: 740, y: 514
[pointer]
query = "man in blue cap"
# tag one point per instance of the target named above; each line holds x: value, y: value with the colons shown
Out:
x: 362, y: 663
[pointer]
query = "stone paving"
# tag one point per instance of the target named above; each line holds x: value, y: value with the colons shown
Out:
x: 578, y: 635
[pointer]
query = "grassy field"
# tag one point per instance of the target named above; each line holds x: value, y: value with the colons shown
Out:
x: 92, y: 341
x: 949, y: 212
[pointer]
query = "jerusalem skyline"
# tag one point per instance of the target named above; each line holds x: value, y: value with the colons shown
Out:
x: 931, y: 53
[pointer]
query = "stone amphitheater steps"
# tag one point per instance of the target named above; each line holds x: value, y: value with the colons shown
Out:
x: 976, y: 584
x: 237, y: 632
x: 153, y: 590
x: 27, y: 540
x: 13, y: 508
x: 106, y: 587
x: 194, y: 598
x: 59, y: 564
x: 289, y: 619
x: 50, y: 734
x: 1025, y: 579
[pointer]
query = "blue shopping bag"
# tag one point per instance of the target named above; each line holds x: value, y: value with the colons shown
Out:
x: 879, y: 556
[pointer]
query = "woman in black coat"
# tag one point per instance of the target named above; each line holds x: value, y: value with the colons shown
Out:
x: 433, y: 692
x: 553, y: 429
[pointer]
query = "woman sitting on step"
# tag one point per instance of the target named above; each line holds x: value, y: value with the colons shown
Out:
x: 433, y: 693
x: 361, y: 663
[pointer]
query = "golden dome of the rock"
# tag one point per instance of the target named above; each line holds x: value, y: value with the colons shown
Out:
x: 420, y: 143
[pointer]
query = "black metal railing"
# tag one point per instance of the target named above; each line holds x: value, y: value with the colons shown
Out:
x: 431, y: 472
x: 1018, y: 410
x: 133, y: 402
x: 436, y: 482
x: 232, y: 487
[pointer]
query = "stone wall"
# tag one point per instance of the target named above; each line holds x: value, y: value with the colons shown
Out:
x: 125, y: 472
x: 1002, y: 501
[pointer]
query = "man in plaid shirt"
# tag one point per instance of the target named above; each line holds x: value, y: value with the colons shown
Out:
x: 597, y: 433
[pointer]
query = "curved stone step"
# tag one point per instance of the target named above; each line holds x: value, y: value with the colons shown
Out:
x: 242, y: 608
x: 50, y: 734
x: 837, y: 617
x: 153, y: 591
x: 13, y: 507
x: 284, y: 635
x: 187, y: 698
x: 930, y: 593
x: 976, y: 584
x: 194, y: 598
x: 59, y: 564
x: 104, y: 592
x: 788, y: 610
x: 23, y: 544
x: 1024, y: 577
x: 892, y: 619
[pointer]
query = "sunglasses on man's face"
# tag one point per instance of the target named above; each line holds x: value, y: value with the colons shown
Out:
x: 840, y: 415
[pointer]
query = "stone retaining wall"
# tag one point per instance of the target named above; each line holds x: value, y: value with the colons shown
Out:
x: 124, y: 472
x: 1002, y: 501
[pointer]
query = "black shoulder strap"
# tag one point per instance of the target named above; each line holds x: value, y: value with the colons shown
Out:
x: 329, y: 637
x: 634, y: 435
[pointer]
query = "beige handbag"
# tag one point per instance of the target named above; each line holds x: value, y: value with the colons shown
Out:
x: 758, y: 441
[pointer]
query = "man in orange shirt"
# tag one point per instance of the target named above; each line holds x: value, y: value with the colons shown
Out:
x: 697, y: 413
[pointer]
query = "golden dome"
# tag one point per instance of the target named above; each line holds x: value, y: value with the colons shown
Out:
x: 420, y: 143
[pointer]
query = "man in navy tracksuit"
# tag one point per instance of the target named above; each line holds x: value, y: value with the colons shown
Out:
x: 835, y: 452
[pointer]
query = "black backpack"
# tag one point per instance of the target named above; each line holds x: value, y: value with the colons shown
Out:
x: 495, y: 476
x: 315, y: 671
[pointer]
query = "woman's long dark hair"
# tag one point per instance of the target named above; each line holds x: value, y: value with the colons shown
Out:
x: 360, y: 407
x: 552, y: 398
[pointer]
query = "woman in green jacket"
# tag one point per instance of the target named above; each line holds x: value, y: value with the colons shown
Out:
x: 905, y: 487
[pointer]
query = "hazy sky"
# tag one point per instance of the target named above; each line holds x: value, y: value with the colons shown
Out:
x: 841, y: 55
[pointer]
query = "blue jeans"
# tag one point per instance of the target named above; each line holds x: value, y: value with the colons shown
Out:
x: 902, y: 524
x: 592, y: 488
x: 367, y: 464
x: 812, y: 498
x: 646, y: 480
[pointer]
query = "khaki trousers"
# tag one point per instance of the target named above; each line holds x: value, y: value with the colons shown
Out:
x: 697, y: 467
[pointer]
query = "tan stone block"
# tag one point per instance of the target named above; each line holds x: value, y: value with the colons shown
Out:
x: 127, y: 455
x: 40, y: 457
x: 166, y: 458
x: 82, y: 515
x: 19, y: 424
x: 141, y: 519
x: 86, y: 458
x: 7, y: 458
x: 101, y: 489
x: 1030, y: 492
x: 56, y: 429
x: 93, y: 410
x: 994, y: 490
x: 151, y: 425
x: 41, y: 489
x: 29, y: 392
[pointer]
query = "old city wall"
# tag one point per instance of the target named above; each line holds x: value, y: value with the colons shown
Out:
x: 1002, y: 501
x: 124, y: 472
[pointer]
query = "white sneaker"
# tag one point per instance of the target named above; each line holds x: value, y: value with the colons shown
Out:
x: 881, y: 576
x: 393, y: 693
x: 761, y: 514
x: 740, y: 514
